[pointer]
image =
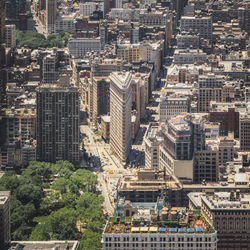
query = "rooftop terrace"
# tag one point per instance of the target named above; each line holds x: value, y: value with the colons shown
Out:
x: 190, y: 224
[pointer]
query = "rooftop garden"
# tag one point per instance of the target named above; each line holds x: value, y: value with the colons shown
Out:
x: 196, y: 224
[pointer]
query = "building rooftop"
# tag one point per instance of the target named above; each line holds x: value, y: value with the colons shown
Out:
x: 121, y: 79
x: 188, y: 223
x: 56, y: 88
x: 227, y: 200
x: 19, y: 113
x: 223, y: 107
x: 165, y: 98
x: 153, y: 133
x: 195, y: 17
x: 191, y: 51
x: 146, y: 180
x: 4, y: 195
x: 180, y: 123
x: 44, y: 245
x: 105, y: 118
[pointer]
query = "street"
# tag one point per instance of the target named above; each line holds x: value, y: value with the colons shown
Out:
x: 38, y: 26
x: 106, y: 165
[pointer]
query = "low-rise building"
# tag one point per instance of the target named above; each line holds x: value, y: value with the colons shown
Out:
x: 65, y: 23
x: 20, y: 124
x: 152, y: 141
x: 189, y: 56
x: 206, y: 164
x: 87, y: 8
x: 187, y: 40
x: 148, y: 185
x: 105, y: 127
x: 201, y: 25
x: 173, y: 105
x: 78, y: 47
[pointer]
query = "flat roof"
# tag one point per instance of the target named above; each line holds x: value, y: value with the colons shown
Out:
x: 4, y: 195
x: 45, y: 245
x: 191, y: 224
x: 121, y: 79
x: 241, y: 177
x: 222, y: 200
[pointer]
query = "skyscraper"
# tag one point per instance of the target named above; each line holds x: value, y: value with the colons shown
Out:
x: 100, y: 97
x: 49, y: 69
x: 3, y: 74
x: 14, y: 8
x: 4, y: 219
x: 57, y: 123
x: 10, y: 36
x: 42, y: 4
x: 50, y: 15
x: 2, y: 21
x: 120, y: 113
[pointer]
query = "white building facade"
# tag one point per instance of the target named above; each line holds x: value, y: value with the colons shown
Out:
x: 120, y: 113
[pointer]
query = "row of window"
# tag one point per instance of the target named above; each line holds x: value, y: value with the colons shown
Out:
x: 155, y: 239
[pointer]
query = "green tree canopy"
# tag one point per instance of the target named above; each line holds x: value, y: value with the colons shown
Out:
x: 90, y: 240
x: 48, y: 200
x: 34, y: 40
x: 29, y: 193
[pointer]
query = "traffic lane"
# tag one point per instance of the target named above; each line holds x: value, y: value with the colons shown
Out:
x: 136, y: 158
x: 139, y: 136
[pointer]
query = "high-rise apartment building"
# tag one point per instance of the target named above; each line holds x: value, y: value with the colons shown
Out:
x: 210, y: 89
x: 2, y: 20
x: 42, y: 4
x: 50, y: 16
x: 14, y: 9
x: 10, y: 36
x: 49, y: 69
x: 101, y: 86
x: 245, y: 133
x: 57, y: 123
x: 3, y: 76
x: 120, y: 113
x: 4, y: 219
